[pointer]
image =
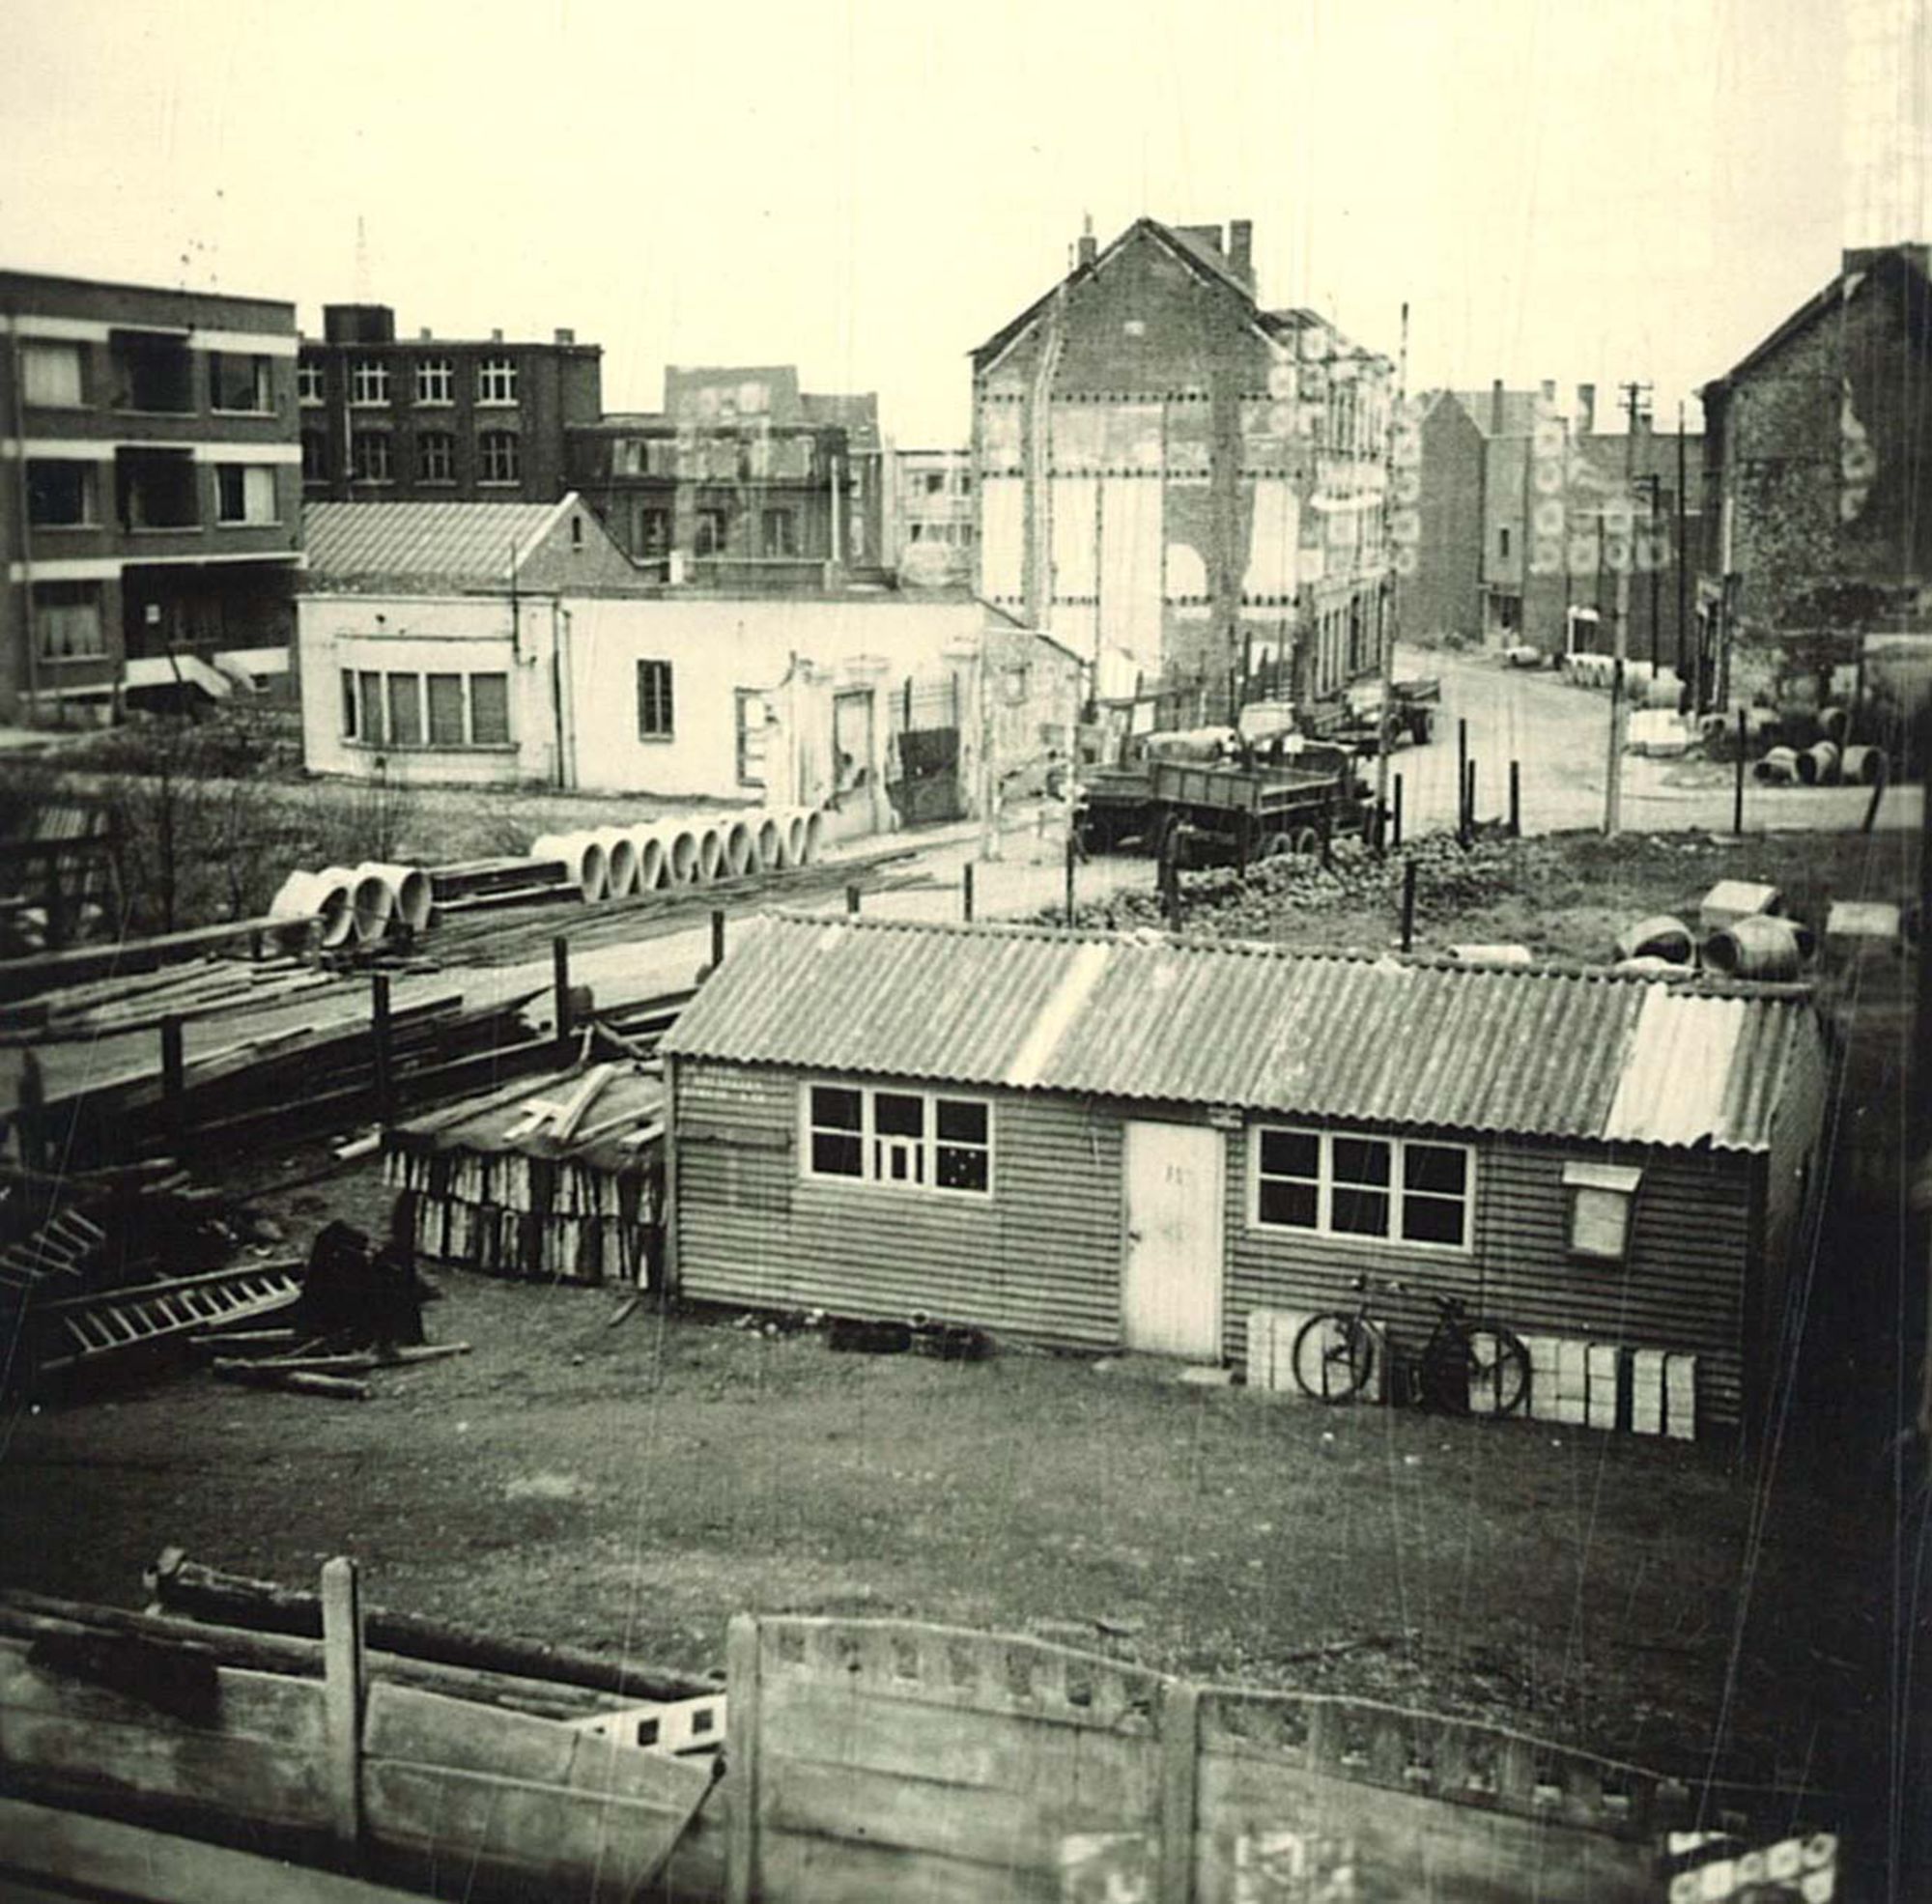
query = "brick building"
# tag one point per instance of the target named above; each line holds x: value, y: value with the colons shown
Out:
x: 1181, y: 485
x: 435, y: 419
x: 742, y: 480
x: 1819, y: 516
x: 150, y: 499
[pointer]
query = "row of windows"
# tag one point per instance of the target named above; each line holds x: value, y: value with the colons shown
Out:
x: 425, y: 710
x: 373, y: 457
x: 148, y: 374
x: 154, y: 488
x: 371, y: 379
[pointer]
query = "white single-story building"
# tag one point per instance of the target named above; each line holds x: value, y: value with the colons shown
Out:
x: 516, y: 644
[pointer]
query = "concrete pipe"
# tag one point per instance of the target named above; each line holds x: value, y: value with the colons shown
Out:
x: 1650, y: 966
x: 1659, y: 937
x: 710, y: 854
x: 1834, y: 723
x: 411, y: 896
x: 1862, y: 766
x: 768, y: 842
x: 648, y: 844
x: 582, y: 855
x: 1759, y: 946
x: 620, y: 861
x: 324, y: 896
x: 371, y: 901
x: 1778, y: 767
x: 1818, y: 765
x: 792, y: 825
x: 814, y: 838
x: 741, y: 850
x: 683, y: 856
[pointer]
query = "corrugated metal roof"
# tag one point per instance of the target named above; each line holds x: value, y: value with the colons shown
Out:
x: 456, y: 544
x: 1525, y: 1050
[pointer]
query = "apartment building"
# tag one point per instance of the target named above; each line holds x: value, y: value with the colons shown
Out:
x: 437, y: 420
x: 742, y: 480
x: 150, y: 494
x: 929, y: 516
x: 1183, y: 486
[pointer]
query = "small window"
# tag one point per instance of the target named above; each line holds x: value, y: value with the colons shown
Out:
x: 369, y: 684
x: 1435, y: 1192
x: 445, y: 710
x: 370, y: 457
x: 315, y: 456
x: 50, y: 375
x: 490, y: 710
x: 962, y: 1150
x: 837, y: 1131
x: 1600, y: 1196
x: 911, y: 1139
x: 369, y: 381
x: 1290, y: 1166
x: 67, y: 620
x: 405, y: 710
x: 435, y: 381
x: 60, y: 494
x: 436, y: 457
x: 780, y: 532
x: 348, y: 703
x: 498, y: 457
x: 495, y: 380
x: 655, y: 713
x: 653, y: 532
x: 1340, y: 1184
x: 237, y: 382
x: 156, y: 373
x: 310, y: 381
x: 1503, y: 541
x: 708, y: 533
x: 245, y: 493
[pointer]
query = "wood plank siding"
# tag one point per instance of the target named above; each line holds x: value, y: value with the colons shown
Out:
x: 1041, y: 1258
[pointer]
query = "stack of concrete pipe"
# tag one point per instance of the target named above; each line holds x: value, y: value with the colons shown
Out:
x: 356, y: 905
x: 1741, y: 932
x: 696, y: 849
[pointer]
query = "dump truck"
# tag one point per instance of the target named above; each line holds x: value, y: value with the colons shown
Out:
x: 1206, y: 795
x: 1351, y: 720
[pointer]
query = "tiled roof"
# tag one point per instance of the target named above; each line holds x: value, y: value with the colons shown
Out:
x: 454, y: 544
x: 1526, y: 1050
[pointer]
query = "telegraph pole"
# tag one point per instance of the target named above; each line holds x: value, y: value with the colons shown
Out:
x: 1680, y: 555
x: 1384, y: 734
x: 1613, y: 777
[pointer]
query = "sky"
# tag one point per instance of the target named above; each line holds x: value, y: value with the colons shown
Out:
x: 1572, y: 189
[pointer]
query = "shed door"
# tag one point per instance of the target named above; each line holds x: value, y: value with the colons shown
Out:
x: 1171, y: 1296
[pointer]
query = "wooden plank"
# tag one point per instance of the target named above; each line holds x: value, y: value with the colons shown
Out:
x: 342, y: 1700
x: 746, y: 1696
x: 102, y: 1854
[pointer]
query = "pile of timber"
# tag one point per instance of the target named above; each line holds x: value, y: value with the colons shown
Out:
x: 561, y: 1179
x: 102, y: 1007
x: 292, y: 1081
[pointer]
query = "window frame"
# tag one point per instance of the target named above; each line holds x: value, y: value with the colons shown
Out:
x: 661, y: 700
x: 311, y: 382
x: 1397, y: 1190
x: 489, y: 445
x: 367, y: 374
x: 47, y: 351
x: 358, y: 437
x: 444, y: 443
x: 1582, y: 1178
x: 85, y: 477
x: 241, y: 472
x: 929, y: 1140
x: 52, y: 603
x: 431, y: 372
x: 496, y: 382
x: 262, y: 378
x: 314, y: 468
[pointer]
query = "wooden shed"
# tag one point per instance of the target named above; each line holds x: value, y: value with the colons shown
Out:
x: 1136, y: 1141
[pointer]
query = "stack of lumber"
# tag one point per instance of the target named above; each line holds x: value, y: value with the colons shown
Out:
x: 102, y: 1007
x: 559, y: 1179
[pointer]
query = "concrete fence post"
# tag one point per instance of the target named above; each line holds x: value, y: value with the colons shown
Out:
x: 1179, y: 1788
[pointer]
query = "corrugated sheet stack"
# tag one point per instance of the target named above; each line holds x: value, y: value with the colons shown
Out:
x: 559, y: 1180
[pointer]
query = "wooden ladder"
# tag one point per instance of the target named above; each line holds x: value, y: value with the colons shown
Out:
x: 111, y: 1322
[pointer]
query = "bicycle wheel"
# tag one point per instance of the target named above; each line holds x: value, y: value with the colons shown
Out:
x: 1482, y: 1369
x: 1334, y: 1356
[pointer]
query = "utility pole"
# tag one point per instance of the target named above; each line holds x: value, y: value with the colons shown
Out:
x: 1396, y: 422
x: 1652, y: 486
x: 1613, y: 777
x: 1679, y: 557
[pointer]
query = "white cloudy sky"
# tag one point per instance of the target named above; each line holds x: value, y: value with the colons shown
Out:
x: 1569, y: 188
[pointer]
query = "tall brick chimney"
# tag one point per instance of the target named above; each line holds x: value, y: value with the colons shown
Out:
x: 1586, y: 410
x: 1241, y: 250
x: 1496, y: 407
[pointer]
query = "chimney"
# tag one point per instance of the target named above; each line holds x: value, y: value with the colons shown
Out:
x: 566, y: 336
x: 425, y: 335
x: 1586, y: 410
x: 1496, y: 407
x: 1863, y: 257
x: 495, y: 336
x: 1241, y: 250
x: 1550, y: 391
x: 1089, y: 248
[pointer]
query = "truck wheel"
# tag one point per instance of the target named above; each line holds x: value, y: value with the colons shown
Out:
x: 1305, y: 839
x: 1275, y: 846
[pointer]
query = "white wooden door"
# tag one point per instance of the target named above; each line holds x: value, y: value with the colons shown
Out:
x: 1171, y: 1292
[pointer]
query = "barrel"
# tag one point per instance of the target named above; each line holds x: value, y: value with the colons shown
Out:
x: 1759, y: 946
x: 1659, y: 936
x: 583, y: 853
x: 1818, y: 765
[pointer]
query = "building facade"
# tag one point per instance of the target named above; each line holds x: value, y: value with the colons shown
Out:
x: 150, y: 494
x: 1137, y: 1143
x: 1818, y: 513
x: 437, y: 420
x: 742, y: 480
x: 930, y: 512
x: 1184, y: 486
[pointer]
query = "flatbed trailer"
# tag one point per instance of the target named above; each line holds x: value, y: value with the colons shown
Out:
x: 1199, y: 811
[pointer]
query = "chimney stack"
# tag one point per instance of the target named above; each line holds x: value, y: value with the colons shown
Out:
x: 566, y: 336
x: 1496, y: 407
x: 495, y: 336
x: 1586, y: 410
x: 1241, y: 250
x: 1089, y: 248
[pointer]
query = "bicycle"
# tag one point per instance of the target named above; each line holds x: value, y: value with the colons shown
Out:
x: 1470, y: 1364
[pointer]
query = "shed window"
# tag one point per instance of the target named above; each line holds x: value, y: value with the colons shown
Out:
x: 490, y: 710
x: 1600, y: 1208
x: 1340, y: 1184
x: 910, y: 1139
